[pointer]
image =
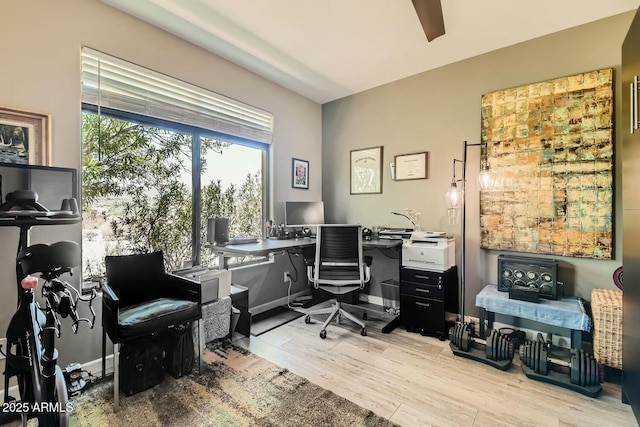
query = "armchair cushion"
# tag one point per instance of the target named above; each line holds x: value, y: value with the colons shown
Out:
x: 151, y: 316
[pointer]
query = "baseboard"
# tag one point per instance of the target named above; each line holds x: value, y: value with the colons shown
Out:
x: 276, y: 303
x: 372, y: 299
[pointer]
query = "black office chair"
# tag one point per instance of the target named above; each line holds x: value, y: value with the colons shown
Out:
x: 141, y: 299
x: 338, y: 268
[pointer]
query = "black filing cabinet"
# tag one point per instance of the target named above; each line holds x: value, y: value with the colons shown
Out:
x: 425, y: 296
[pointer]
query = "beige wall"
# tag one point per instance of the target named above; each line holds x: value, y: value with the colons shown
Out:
x: 436, y: 111
x: 41, y: 71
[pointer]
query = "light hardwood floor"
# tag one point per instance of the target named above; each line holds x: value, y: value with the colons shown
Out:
x: 415, y: 380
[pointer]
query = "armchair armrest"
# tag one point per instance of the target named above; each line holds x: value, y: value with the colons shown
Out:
x: 108, y: 294
x: 110, y: 309
x: 182, y: 288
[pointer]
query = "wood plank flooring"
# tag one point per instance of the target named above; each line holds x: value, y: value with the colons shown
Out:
x: 414, y: 380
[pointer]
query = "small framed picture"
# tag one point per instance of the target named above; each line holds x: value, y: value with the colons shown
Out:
x: 300, y: 173
x: 25, y: 137
x: 411, y: 166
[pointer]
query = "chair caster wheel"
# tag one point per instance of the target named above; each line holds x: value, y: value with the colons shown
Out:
x: 323, y: 334
x: 364, y: 316
x: 363, y: 332
x: 307, y: 319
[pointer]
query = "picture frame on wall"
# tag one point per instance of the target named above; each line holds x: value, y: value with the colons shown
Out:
x: 411, y: 166
x: 366, y: 171
x: 25, y: 137
x: 300, y: 173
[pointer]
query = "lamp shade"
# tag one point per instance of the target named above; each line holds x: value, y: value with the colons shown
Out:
x: 454, y: 196
x: 486, y: 180
x: 454, y: 199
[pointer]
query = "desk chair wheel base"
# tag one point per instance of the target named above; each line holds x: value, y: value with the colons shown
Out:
x: 363, y: 331
x: 323, y: 334
x: 307, y: 319
x: 364, y: 316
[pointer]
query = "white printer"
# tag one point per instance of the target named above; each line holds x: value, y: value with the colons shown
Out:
x: 429, y: 250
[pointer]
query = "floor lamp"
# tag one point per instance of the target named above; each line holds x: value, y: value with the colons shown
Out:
x: 456, y: 206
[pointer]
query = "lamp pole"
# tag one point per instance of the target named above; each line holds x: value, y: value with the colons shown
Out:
x: 485, y: 184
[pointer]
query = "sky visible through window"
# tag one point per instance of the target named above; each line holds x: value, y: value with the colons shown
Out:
x: 232, y: 166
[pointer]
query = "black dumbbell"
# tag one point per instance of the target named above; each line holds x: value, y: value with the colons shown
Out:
x: 461, y: 336
x: 497, y: 347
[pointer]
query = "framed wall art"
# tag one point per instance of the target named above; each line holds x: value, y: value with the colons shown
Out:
x: 550, y: 144
x: 300, y: 173
x: 366, y: 171
x: 25, y: 137
x: 411, y: 166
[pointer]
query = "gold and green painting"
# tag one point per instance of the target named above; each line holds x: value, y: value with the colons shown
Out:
x: 550, y: 145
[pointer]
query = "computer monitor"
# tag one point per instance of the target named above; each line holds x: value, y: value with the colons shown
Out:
x: 51, y: 183
x: 303, y: 214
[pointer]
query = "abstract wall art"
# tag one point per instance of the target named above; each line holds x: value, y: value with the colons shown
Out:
x: 550, y: 145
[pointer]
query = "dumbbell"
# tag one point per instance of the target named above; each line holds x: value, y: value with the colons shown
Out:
x: 461, y: 335
x: 497, y: 345
x: 583, y: 368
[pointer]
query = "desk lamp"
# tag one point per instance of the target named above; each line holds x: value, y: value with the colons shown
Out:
x: 456, y: 203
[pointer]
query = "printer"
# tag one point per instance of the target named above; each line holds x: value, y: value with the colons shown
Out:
x: 428, y: 250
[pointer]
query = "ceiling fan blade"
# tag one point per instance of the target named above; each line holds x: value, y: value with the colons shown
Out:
x: 430, y: 16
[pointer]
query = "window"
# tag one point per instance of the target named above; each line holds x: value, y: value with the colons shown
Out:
x: 149, y: 183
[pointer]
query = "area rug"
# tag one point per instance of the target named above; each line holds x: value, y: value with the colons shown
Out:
x: 235, y: 388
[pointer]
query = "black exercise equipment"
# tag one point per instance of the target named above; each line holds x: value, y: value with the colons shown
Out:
x: 581, y: 374
x: 496, y: 350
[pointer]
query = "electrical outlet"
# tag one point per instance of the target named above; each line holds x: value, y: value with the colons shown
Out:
x: 3, y: 347
x: 286, y: 276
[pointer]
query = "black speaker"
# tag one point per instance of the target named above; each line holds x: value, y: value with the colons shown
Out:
x: 524, y: 273
x: 217, y: 230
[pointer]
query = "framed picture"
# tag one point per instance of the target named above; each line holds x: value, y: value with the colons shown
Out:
x: 300, y: 173
x: 411, y: 166
x: 25, y: 137
x: 366, y: 171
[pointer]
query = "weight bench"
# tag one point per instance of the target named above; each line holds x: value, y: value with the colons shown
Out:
x: 567, y: 312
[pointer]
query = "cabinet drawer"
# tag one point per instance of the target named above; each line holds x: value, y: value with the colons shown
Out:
x: 421, y: 276
x: 422, y: 290
x: 422, y: 313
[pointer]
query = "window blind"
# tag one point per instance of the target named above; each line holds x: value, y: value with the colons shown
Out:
x: 113, y: 83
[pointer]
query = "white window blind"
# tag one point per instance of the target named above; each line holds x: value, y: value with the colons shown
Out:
x: 113, y: 83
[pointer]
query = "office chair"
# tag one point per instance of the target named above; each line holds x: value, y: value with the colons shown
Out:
x: 338, y: 268
x: 141, y: 299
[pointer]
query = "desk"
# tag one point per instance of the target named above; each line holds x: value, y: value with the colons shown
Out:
x: 567, y: 312
x: 259, y: 248
x: 270, y: 246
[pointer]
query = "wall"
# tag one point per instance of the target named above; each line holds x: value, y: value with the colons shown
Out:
x: 436, y: 111
x: 41, y: 72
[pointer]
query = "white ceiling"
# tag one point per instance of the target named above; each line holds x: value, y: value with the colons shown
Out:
x: 328, y: 49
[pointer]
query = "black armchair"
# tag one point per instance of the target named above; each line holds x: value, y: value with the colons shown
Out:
x: 141, y: 299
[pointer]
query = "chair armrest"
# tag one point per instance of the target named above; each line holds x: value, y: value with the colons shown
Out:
x: 109, y: 295
x: 110, y: 311
x: 182, y: 287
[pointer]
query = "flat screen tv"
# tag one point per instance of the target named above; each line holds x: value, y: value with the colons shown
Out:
x: 52, y: 184
x: 303, y: 214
